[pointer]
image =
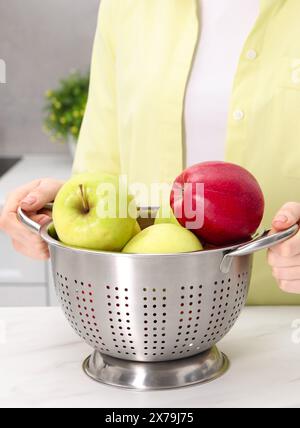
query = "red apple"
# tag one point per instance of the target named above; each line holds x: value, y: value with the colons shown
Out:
x: 230, y: 202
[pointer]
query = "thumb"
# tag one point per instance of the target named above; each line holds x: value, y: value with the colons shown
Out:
x: 287, y: 216
x: 44, y: 193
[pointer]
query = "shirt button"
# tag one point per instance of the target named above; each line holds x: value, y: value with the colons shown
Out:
x: 238, y: 115
x: 251, y: 54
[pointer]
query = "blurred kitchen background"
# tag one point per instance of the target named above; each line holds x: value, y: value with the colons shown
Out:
x: 41, y: 42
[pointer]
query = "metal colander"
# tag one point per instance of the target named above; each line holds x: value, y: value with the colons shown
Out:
x: 153, y: 308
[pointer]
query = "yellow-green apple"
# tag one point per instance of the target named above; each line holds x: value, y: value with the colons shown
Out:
x: 87, y: 213
x: 163, y: 239
x: 137, y: 229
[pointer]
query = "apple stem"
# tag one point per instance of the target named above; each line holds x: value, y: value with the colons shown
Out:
x: 85, y: 202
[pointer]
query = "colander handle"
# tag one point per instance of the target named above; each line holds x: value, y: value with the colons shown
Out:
x: 30, y: 224
x: 260, y: 243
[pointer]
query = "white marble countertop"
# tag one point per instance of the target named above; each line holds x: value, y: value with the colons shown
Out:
x: 32, y: 167
x: 41, y: 357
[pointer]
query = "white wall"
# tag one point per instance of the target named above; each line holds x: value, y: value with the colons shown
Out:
x: 40, y: 41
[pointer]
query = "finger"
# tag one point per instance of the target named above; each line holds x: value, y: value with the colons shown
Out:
x: 36, y: 252
x: 41, y: 219
x: 286, y: 273
x: 292, y: 287
x: 47, y: 213
x: 14, y: 199
x: 42, y: 194
x: 18, y: 232
x: 12, y: 226
x: 276, y: 260
x: 289, y: 248
x: 288, y: 215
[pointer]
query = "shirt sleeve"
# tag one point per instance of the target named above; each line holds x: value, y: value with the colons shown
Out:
x: 97, y: 149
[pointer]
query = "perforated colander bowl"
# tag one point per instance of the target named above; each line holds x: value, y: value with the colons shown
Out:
x: 152, y: 308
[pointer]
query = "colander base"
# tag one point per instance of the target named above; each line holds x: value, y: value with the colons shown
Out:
x: 201, y: 368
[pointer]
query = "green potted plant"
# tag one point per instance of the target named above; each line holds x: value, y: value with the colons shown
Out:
x: 65, y: 107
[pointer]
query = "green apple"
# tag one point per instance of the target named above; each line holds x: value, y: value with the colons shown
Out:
x: 163, y: 239
x: 52, y: 232
x: 137, y: 229
x: 86, y: 213
x: 166, y: 215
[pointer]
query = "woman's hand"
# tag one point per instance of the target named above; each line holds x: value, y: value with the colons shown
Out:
x: 285, y: 258
x: 31, y: 198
